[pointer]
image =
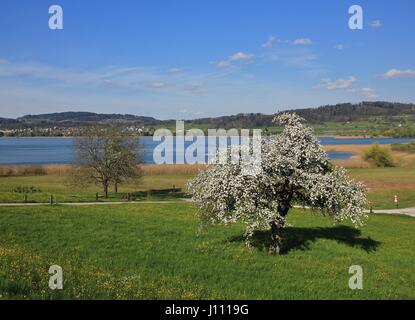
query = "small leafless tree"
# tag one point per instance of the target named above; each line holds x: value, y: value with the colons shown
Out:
x: 105, y: 156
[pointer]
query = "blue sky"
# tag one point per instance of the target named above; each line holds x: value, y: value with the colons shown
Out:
x: 191, y: 59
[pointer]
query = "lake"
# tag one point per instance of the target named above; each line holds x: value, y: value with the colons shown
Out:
x: 60, y: 150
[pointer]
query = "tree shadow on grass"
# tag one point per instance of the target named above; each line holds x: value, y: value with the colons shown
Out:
x: 300, y: 238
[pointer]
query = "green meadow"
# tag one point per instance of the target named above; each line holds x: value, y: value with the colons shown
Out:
x: 156, y: 250
x: 148, y: 251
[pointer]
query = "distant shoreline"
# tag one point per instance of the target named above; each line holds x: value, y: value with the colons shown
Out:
x: 356, y: 137
x: 318, y: 136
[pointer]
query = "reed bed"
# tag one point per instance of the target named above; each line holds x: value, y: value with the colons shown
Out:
x: 148, y: 169
x: 354, y: 162
x: 21, y: 170
x: 63, y: 170
x: 171, y: 169
x: 33, y: 170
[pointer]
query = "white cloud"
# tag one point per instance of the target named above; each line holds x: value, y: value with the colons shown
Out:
x: 236, y: 57
x: 195, y: 88
x: 174, y: 70
x: 72, y: 77
x: 156, y: 84
x: 107, y: 83
x: 294, y: 53
x: 337, y: 84
x: 223, y: 64
x: 190, y: 112
x: 395, y: 73
x: 269, y: 43
x: 347, y: 84
x: 339, y: 46
x: 368, y: 93
x: 375, y: 24
x: 240, y: 56
x: 302, y: 42
x: 301, y: 59
x: 125, y: 78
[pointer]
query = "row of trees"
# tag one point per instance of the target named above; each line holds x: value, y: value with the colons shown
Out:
x: 106, y: 156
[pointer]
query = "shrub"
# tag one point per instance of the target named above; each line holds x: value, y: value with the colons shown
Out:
x: 407, y: 131
x: 26, y: 189
x: 404, y: 147
x: 379, y: 156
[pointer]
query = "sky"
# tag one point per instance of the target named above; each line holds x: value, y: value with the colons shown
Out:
x: 198, y: 58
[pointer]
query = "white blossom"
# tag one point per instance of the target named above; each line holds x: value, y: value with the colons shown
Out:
x: 295, y: 170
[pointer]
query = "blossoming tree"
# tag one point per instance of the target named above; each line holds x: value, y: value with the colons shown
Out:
x: 294, y: 170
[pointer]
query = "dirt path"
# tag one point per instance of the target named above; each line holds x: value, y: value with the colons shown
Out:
x: 404, y: 211
x: 79, y: 204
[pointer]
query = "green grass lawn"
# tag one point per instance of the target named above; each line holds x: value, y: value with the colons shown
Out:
x: 58, y: 186
x: 155, y: 252
x: 384, y: 183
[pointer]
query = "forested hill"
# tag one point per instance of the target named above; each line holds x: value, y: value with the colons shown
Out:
x: 78, y: 117
x: 355, y: 112
x: 330, y: 113
x: 241, y: 120
x: 334, y: 113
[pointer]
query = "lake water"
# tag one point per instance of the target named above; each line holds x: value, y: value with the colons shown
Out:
x: 60, y: 150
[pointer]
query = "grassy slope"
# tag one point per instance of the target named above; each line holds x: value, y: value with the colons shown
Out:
x: 153, y: 251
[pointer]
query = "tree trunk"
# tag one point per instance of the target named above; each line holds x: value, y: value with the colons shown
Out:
x: 277, y: 228
x: 106, y: 190
x: 283, y: 209
x: 116, y: 187
x: 276, y: 237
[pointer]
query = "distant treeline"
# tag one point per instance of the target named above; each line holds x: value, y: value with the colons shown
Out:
x: 75, y: 119
x: 241, y: 120
x: 356, y: 112
x: 344, y: 112
x: 62, y: 117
